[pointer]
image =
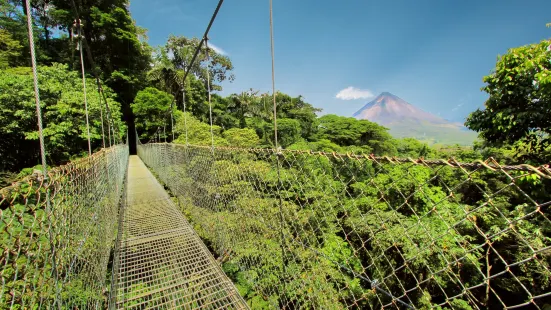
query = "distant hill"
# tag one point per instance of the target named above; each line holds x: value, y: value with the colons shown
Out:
x: 406, y: 120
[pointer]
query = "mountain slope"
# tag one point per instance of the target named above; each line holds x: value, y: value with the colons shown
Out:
x: 406, y: 120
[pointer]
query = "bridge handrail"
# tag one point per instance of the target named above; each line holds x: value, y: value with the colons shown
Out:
x: 330, y: 230
x: 58, y: 232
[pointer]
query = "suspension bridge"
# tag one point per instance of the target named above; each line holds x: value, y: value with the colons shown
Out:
x: 182, y: 226
x: 230, y: 232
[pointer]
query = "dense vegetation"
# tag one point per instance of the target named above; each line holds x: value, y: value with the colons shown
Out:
x: 145, y: 86
x: 342, y: 220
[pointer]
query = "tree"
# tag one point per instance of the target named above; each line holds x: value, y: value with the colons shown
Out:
x: 298, y: 109
x: 152, y: 111
x: 9, y: 49
x: 63, y: 116
x: 183, y: 48
x: 238, y: 137
x: 173, y: 59
x: 288, y: 132
x: 411, y: 147
x: 13, y: 35
x: 348, y: 131
x: 244, y: 105
x: 163, y: 73
x: 197, y: 132
x: 518, y: 111
x: 117, y: 45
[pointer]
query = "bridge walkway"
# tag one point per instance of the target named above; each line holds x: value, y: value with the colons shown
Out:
x: 162, y: 262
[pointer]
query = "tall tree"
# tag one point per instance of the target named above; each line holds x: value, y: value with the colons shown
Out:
x: 518, y: 110
x: 116, y: 44
x: 172, y: 60
x: 151, y: 109
x: 63, y: 116
x: 297, y: 108
x: 9, y: 49
x: 13, y: 35
x: 348, y: 131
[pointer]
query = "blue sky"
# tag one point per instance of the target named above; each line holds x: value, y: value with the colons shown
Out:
x: 432, y: 53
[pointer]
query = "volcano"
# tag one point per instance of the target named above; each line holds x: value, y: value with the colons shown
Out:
x: 406, y: 120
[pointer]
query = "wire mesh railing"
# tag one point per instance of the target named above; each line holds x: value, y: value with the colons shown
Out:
x: 297, y: 229
x: 58, y: 233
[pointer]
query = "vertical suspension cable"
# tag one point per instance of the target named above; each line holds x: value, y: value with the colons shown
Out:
x: 197, y: 50
x: 36, y: 91
x: 42, y: 152
x: 273, y: 73
x: 80, y: 47
x: 107, y: 114
x: 109, y: 132
x: 184, y: 101
x: 279, y: 154
x: 95, y: 72
x: 113, y: 132
x: 215, y: 177
x: 172, y: 120
x: 209, y: 95
x: 107, y: 111
x: 101, y: 116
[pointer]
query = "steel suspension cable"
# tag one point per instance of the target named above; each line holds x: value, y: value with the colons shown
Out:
x: 80, y: 47
x: 42, y: 150
x: 172, y: 119
x: 273, y: 73
x: 278, y: 155
x: 102, y: 124
x: 36, y: 90
x: 205, y: 35
x: 108, y: 119
x: 185, y: 116
x: 96, y: 75
x: 189, y: 69
x: 209, y: 95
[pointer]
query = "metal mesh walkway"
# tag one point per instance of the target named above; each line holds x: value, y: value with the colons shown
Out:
x: 162, y: 263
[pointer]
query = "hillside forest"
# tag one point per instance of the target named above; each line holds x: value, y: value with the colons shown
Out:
x: 144, y: 88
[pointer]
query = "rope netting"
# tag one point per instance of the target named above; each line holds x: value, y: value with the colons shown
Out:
x: 334, y: 231
x: 58, y: 233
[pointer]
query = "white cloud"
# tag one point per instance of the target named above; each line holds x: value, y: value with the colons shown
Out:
x: 353, y: 93
x: 218, y: 49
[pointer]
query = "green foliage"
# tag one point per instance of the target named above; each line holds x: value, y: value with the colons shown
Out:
x: 167, y: 73
x: 517, y: 110
x: 114, y: 41
x: 348, y: 131
x: 298, y: 109
x: 63, y: 116
x: 64, y: 226
x: 297, y: 230
x: 197, y: 132
x: 14, y: 40
x: 151, y: 107
x: 342, y: 220
x: 238, y: 137
x: 9, y: 49
x: 410, y: 147
x: 288, y: 131
x: 182, y: 49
